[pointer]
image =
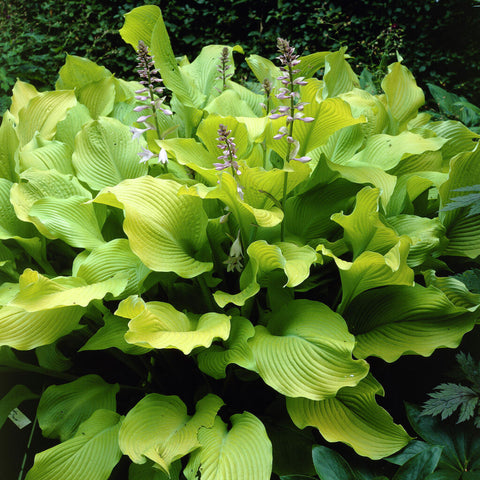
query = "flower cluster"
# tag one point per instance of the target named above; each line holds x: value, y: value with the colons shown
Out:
x: 229, y: 156
x: 267, y: 86
x: 222, y: 69
x: 152, y: 95
x: 293, y: 111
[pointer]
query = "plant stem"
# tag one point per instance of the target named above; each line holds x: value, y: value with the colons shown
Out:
x: 207, y: 295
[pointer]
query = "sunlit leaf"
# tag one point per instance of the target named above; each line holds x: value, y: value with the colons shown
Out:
x: 160, y: 325
x: 158, y: 428
x: 242, y: 453
x: 352, y: 417
x: 92, y: 453
x: 63, y: 408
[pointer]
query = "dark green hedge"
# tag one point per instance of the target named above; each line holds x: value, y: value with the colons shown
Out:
x: 438, y: 39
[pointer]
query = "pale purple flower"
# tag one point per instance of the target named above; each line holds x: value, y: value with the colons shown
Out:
x: 222, y: 69
x: 145, y: 155
x: 229, y: 149
x: 137, y: 132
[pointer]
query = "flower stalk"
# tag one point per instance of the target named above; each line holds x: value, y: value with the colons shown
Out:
x: 152, y: 95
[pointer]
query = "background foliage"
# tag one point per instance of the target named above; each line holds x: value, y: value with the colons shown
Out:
x: 437, y: 38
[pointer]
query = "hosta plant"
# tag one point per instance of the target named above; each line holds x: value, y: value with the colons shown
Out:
x: 203, y: 269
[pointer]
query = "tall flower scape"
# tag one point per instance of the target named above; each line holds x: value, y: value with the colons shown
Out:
x: 203, y: 296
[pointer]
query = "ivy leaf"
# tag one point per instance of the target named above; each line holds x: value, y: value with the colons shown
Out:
x: 450, y: 397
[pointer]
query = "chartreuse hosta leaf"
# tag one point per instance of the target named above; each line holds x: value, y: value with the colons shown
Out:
x: 456, y: 291
x: 371, y: 270
x: 330, y: 115
x: 105, y: 154
x: 56, y: 204
x: 78, y: 72
x: 63, y: 408
x: 42, y: 113
x: 242, y: 453
x: 51, y: 308
x: 158, y: 428
x: 386, y: 151
x: 139, y: 24
x: 295, y: 261
x: 46, y: 155
x: 110, y: 259
x: 463, y: 231
x: 112, y: 335
x: 339, y: 76
x: 92, y: 453
x: 308, y: 215
x: 426, y: 234
x: 306, y: 351
x: 363, y: 228
x: 352, y: 417
x: 73, y: 122
x: 397, y: 320
x: 159, y: 325
x: 22, y: 93
x: 10, y: 225
x: 404, y: 97
x: 166, y: 231
x: 8, y: 148
x: 214, y: 360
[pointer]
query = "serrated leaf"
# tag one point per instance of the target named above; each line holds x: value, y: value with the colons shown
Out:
x: 63, y: 408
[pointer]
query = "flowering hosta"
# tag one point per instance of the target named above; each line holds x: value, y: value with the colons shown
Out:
x: 237, y: 257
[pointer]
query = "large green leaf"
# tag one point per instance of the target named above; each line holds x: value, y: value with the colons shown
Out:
x: 110, y: 259
x: 42, y: 113
x: 364, y: 229
x: 159, y: 325
x: 404, y: 97
x: 243, y: 453
x: 371, y: 270
x: 78, y: 72
x: 386, y: 151
x: 397, y: 320
x: 339, y: 76
x: 8, y: 147
x: 463, y: 230
x: 112, y: 335
x: 158, y: 428
x: 306, y: 351
x: 38, y: 292
x: 63, y: 408
x: 295, y: 261
x: 309, y: 215
x: 352, y: 417
x: 46, y: 155
x: 214, y: 360
x: 105, y: 154
x: 92, y: 453
x: 330, y: 465
x: 56, y: 204
x: 147, y: 471
x: 166, y: 231
x: 10, y: 225
x: 426, y: 234
x: 45, y: 309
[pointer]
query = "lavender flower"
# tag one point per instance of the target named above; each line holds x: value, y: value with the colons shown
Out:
x: 152, y: 94
x: 223, y: 68
x: 294, y: 110
x: 229, y: 156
